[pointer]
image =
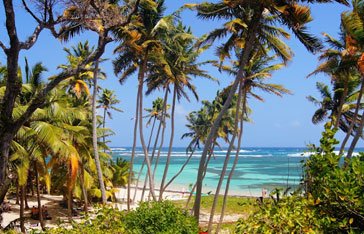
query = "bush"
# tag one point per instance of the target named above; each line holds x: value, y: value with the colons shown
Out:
x: 332, y: 202
x: 106, y: 220
x: 159, y: 217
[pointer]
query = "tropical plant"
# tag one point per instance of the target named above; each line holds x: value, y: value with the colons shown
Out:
x: 251, y: 24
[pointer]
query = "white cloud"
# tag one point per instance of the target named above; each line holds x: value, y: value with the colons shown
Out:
x: 295, y: 124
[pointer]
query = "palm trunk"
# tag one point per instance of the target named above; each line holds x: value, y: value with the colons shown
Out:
x: 103, y: 126
x: 163, y: 132
x: 151, y: 159
x: 141, y: 135
x: 340, y: 107
x: 143, y: 164
x: 182, y: 168
x: 38, y: 196
x: 356, y: 138
x: 249, y: 45
x: 94, y: 135
x: 233, y: 167
x: 194, y: 186
x: 352, y: 124
x: 22, y: 197
x: 170, y: 145
x: 17, y: 194
x: 226, y: 161
x: 84, y: 190
x: 69, y: 204
x: 133, y: 149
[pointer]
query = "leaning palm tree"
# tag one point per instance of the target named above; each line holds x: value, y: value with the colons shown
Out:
x: 256, y: 21
x: 260, y: 69
x: 353, y: 23
x: 181, y: 61
x: 139, y: 41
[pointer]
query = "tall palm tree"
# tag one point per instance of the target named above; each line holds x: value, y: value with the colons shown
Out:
x: 259, y: 69
x: 181, y: 65
x: 139, y: 41
x: 256, y: 21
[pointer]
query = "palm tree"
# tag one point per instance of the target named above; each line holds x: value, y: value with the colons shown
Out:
x: 176, y: 72
x: 260, y: 69
x: 353, y: 22
x: 139, y: 40
x: 328, y: 106
x: 256, y: 21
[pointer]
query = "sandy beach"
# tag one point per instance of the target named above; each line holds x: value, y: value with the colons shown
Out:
x: 59, y: 214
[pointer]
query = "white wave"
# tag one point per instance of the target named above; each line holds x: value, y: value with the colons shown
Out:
x: 302, y: 154
x: 118, y: 149
x: 241, y: 151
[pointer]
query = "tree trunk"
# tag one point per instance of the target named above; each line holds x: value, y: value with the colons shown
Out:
x: 133, y: 149
x: 356, y: 138
x: 249, y: 45
x: 17, y: 194
x: 94, y: 135
x: 22, y: 197
x: 143, y: 164
x: 103, y: 126
x: 194, y: 186
x: 141, y: 135
x: 5, y: 181
x: 234, y: 165
x: 69, y: 204
x: 84, y: 190
x: 352, y: 124
x: 38, y: 196
x: 227, y: 158
x: 342, y: 100
x: 182, y: 168
x: 162, y: 188
x: 163, y: 131
x: 151, y: 159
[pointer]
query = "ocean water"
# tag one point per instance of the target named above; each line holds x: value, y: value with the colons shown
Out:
x: 257, y: 169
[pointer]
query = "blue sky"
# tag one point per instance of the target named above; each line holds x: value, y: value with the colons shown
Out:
x: 276, y: 122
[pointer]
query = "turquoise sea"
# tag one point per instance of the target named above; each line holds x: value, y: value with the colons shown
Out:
x: 257, y: 169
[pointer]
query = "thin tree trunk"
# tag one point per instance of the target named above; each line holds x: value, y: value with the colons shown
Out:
x: 84, y: 191
x: 340, y: 107
x: 170, y: 145
x: 38, y: 196
x: 143, y: 164
x: 163, y: 132
x: 233, y: 167
x: 227, y: 158
x: 352, y: 124
x: 141, y: 135
x: 69, y: 204
x: 94, y: 135
x: 17, y: 194
x: 133, y: 149
x: 103, y: 126
x: 151, y: 159
x: 249, y: 45
x: 182, y: 168
x: 22, y: 197
x: 356, y: 138
x: 194, y: 186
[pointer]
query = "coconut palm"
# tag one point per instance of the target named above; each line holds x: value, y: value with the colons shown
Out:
x: 259, y: 69
x: 139, y: 40
x: 256, y: 21
x: 352, y: 23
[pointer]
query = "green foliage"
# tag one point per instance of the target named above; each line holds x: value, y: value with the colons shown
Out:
x: 333, y: 202
x: 159, y: 217
x: 291, y: 214
x: 106, y: 220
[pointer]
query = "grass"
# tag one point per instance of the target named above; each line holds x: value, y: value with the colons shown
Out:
x: 235, y: 205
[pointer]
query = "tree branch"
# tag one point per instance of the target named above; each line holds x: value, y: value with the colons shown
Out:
x: 3, y: 47
x: 133, y: 11
x: 32, y: 39
x: 31, y: 13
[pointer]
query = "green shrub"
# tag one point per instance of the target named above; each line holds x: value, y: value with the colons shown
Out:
x: 106, y: 220
x: 332, y: 202
x: 159, y: 217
